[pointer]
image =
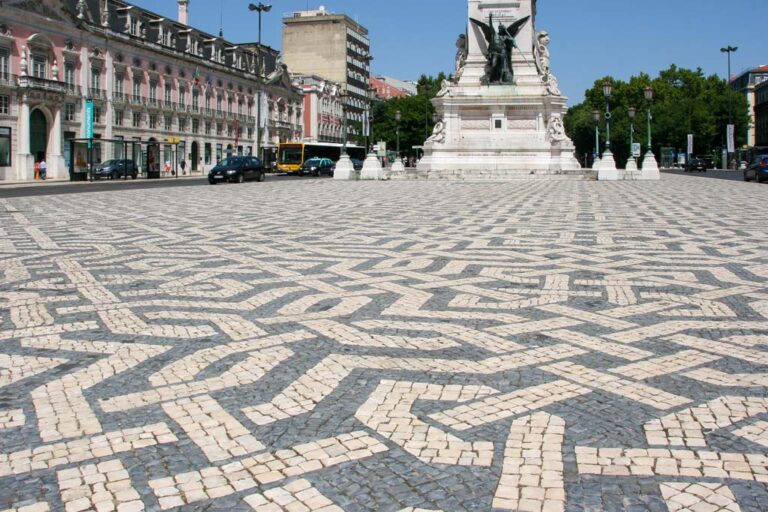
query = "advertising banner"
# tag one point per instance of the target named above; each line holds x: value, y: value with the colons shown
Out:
x: 690, y: 143
x: 731, y: 139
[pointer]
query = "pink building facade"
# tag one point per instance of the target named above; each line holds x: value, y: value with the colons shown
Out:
x: 150, y: 79
x: 323, y: 109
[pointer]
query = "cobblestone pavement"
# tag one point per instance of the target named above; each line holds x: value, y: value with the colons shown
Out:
x: 362, y: 346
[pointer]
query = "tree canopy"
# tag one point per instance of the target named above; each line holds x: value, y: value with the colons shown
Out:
x: 685, y: 102
x: 416, y: 111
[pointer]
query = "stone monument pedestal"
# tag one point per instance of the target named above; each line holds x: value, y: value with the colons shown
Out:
x: 372, y: 169
x: 344, y: 170
x: 500, y: 128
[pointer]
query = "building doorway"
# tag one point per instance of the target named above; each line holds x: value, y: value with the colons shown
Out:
x: 195, y: 155
x: 38, y: 135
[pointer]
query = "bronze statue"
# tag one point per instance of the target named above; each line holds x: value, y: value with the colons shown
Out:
x: 501, y: 43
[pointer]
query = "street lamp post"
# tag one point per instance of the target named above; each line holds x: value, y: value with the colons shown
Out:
x: 596, y: 115
x: 260, y: 8
x: 729, y: 50
x: 631, y: 163
x: 398, y: 118
x: 344, y: 135
x: 607, y: 90
x: 650, y: 164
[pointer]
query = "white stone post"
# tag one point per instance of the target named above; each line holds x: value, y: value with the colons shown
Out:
x: 55, y: 159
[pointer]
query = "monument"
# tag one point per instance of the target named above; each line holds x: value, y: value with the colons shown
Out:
x: 501, y: 115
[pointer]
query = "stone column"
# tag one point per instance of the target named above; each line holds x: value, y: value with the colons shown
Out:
x: 55, y: 160
x: 25, y: 161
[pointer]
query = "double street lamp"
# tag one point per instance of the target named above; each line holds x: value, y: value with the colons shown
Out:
x: 729, y: 50
x: 260, y: 8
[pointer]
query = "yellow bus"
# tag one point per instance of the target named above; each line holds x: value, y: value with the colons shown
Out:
x: 291, y: 155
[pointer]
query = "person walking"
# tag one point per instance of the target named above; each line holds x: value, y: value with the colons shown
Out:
x: 183, y: 165
x: 43, y: 169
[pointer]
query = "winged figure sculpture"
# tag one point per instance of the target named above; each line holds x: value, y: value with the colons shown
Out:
x: 501, y: 43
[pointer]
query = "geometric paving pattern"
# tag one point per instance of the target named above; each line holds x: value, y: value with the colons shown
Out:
x: 362, y: 346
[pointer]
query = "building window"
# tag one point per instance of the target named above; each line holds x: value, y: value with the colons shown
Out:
x: 153, y: 92
x: 96, y: 79
x: 118, y: 118
x: 207, y: 127
x: 5, y: 64
x: 168, y: 92
x: 182, y: 124
x: 218, y: 153
x: 5, y: 104
x: 39, y: 65
x: 219, y: 128
x: 118, y: 86
x: 97, y: 115
x: 229, y: 106
x: 152, y: 122
x: 69, y: 112
x: 229, y: 130
x: 5, y: 146
x: 250, y: 132
x: 207, y: 153
x: 218, y: 104
x: 69, y: 74
x: 195, y: 126
x: 137, y: 119
x: 168, y: 123
x: 195, y: 98
x: 136, y: 87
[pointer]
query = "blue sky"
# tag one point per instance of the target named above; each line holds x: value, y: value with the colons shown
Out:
x: 590, y: 38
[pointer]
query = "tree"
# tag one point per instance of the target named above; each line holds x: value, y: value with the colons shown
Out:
x: 416, y: 112
x: 685, y: 101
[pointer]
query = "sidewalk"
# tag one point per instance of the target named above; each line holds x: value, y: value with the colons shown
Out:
x: 52, y: 181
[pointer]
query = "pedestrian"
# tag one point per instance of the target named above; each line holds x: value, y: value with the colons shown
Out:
x: 167, y: 167
x: 37, y: 169
x: 43, y: 169
x: 183, y: 165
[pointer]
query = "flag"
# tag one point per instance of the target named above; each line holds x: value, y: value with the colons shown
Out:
x: 197, y: 75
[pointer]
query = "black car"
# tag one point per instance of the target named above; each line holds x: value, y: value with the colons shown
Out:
x: 696, y: 164
x: 237, y: 169
x: 318, y: 166
x: 114, y: 169
x: 757, y: 170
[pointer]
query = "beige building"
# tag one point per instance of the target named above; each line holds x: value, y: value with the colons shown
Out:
x: 336, y: 48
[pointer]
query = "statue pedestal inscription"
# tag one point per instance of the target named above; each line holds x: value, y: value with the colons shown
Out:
x: 501, y: 117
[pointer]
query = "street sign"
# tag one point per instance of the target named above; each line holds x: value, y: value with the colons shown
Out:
x: 731, y: 139
x: 89, y: 121
x: 637, y: 149
x: 690, y: 143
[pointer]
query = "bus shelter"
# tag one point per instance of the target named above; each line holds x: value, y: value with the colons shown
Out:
x: 153, y: 159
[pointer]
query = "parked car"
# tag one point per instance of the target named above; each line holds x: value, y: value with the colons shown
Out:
x: 757, y: 170
x: 357, y: 164
x: 318, y: 166
x: 115, y: 169
x: 237, y: 169
x: 696, y: 164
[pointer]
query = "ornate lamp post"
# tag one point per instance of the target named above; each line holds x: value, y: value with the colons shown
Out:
x: 649, y: 161
x: 398, y: 118
x: 631, y: 163
x: 608, y: 164
x: 607, y: 91
x: 260, y: 8
x: 596, y: 116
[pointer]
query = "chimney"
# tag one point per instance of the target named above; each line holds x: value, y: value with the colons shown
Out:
x: 184, y: 12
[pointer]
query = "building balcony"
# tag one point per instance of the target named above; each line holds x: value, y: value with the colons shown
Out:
x: 8, y: 80
x: 43, y: 84
x: 95, y: 93
x: 119, y: 97
x: 137, y: 100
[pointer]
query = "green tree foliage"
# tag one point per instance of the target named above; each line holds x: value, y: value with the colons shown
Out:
x: 416, y: 111
x: 685, y: 101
